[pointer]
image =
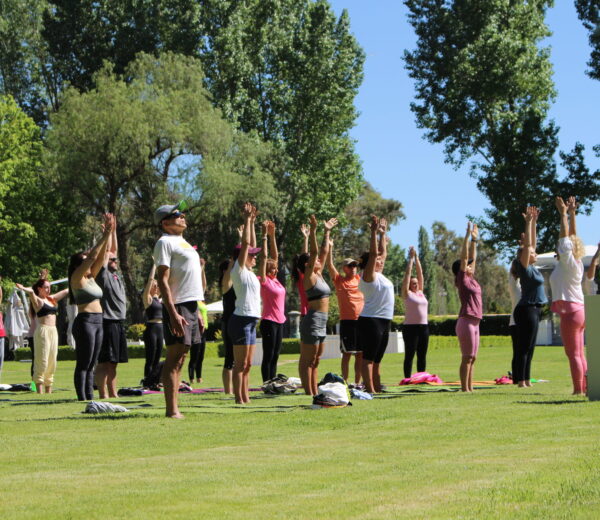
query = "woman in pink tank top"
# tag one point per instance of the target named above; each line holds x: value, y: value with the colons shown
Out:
x: 415, y: 329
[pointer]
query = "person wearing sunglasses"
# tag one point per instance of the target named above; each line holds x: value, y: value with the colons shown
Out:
x: 179, y: 277
x: 114, y: 308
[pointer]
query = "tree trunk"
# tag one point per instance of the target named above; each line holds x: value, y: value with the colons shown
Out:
x: 136, y: 308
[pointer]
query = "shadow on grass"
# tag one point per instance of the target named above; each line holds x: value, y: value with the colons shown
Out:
x: 562, y: 401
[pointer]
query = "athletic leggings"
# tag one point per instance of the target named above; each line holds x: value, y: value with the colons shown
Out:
x: 416, y: 340
x: 153, y: 344
x: 197, y: 358
x: 87, y: 331
x: 272, y: 334
x: 572, y: 326
x: 527, y: 320
x: 467, y: 330
x: 228, y: 362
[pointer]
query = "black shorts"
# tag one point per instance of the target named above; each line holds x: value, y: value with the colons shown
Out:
x: 114, y: 342
x: 349, y: 337
x: 373, y: 335
x: 191, y: 331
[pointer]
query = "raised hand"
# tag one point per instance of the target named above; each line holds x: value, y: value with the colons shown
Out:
x: 270, y: 228
x: 528, y: 215
x: 560, y: 205
x: 304, y: 229
x: 382, y: 225
x: 330, y: 224
x: 313, y: 222
x: 240, y: 231
x: 474, y: 232
x: 265, y: 228
x: 571, y: 204
x: 412, y: 253
x: 247, y: 210
x: 374, y: 224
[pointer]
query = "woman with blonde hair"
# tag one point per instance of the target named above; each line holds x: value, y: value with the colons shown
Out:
x: 567, y: 293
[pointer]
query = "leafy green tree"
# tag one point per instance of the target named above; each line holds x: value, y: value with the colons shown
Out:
x: 37, y: 226
x: 483, y: 89
x: 589, y: 13
x: 129, y: 146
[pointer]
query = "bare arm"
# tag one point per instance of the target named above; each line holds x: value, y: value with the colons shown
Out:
x: 226, y: 282
x: 36, y: 301
x: 253, y: 227
x: 408, y: 272
x: 262, y: 268
x: 464, y: 251
x: 305, y: 230
x: 591, y: 270
x: 473, y: 248
x: 203, y: 264
x: 572, y: 208
x: 60, y: 294
x: 309, y: 269
x: 330, y: 265
x: 383, y: 240
x: 246, y: 235
x: 369, y: 271
x: 329, y: 225
x: 96, y: 255
x: 562, y: 215
x: 273, y: 252
x: 420, y: 279
x: 536, y: 214
x: 146, y: 298
x: 526, y: 251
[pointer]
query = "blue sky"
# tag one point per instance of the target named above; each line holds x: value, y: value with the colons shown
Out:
x: 396, y: 159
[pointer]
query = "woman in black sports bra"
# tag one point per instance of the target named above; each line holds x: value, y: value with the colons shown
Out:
x: 46, y: 336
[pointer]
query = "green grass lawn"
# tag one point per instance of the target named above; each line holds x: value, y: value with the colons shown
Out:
x: 496, y: 453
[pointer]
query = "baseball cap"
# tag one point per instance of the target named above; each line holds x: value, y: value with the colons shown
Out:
x: 164, y: 211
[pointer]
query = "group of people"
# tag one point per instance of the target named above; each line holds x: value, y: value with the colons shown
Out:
x: 174, y: 296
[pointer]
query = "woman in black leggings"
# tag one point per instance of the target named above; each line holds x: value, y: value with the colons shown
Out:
x: 87, y: 327
x: 415, y: 330
x: 153, y: 334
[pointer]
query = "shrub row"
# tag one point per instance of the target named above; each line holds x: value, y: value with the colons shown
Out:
x: 491, y: 325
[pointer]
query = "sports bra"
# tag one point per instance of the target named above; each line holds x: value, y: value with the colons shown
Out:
x: 45, y: 310
x: 88, y: 293
x: 154, y: 310
x: 318, y: 291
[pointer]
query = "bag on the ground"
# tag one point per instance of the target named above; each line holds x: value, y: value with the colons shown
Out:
x: 95, y: 407
x: 332, y: 394
x: 126, y: 392
x: 280, y: 384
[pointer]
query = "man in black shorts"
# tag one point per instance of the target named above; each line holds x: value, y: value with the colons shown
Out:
x: 114, y: 308
x: 179, y: 277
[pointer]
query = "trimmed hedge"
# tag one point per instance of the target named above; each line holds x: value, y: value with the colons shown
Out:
x: 491, y: 325
x: 66, y: 353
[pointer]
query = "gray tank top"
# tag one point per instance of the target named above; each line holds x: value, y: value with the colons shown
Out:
x: 88, y: 293
x: 318, y: 291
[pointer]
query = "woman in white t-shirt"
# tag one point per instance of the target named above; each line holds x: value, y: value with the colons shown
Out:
x: 375, y: 319
x: 567, y: 294
x: 242, y: 324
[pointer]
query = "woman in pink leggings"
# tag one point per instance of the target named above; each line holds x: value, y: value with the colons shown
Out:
x: 567, y: 294
x: 471, y: 308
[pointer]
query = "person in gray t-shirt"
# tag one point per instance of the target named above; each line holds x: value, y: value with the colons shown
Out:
x: 114, y: 307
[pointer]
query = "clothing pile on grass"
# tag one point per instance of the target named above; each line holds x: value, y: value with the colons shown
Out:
x: 333, y: 393
x: 95, y: 407
x: 281, y: 384
x: 422, y: 378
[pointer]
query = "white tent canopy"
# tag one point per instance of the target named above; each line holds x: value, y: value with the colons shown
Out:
x: 548, y: 260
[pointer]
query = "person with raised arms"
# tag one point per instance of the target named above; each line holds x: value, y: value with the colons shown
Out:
x: 471, y: 307
x: 567, y: 293
x: 273, y: 299
x: 44, y: 305
x: 378, y: 310
x: 350, y: 303
x: 415, y: 329
x: 242, y: 323
x: 590, y: 274
x: 528, y: 311
x: 180, y: 282
x: 313, y: 327
x: 86, y: 294
x: 153, y: 333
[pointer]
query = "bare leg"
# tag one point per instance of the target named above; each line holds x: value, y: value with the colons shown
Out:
x: 357, y: 367
x: 239, y: 363
x: 246, y: 378
x: 346, y: 365
x: 367, y: 374
x: 227, y: 381
x: 305, y: 366
x: 376, y: 377
x: 314, y: 376
x: 471, y: 374
x: 171, y: 377
x: 48, y: 389
x: 111, y: 379
x: 465, y: 371
x: 101, y: 380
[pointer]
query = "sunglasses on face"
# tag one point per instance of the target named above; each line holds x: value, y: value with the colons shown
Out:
x: 177, y: 214
x: 113, y: 259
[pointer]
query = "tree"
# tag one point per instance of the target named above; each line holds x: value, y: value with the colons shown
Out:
x: 129, y: 146
x: 430, y: 272
x: 290, y: 71
x: 483, y: 88
x: 589, y: 13
x: 37, y: 226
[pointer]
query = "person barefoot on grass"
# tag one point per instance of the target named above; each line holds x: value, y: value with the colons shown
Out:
x: 242, y: 323
x: 415, y: 329
x: 567, y: 293
x: 376, y: 317
x: 350, y: 302
x: 528, y: 311
x: 180, y: 282
x: 471, y: 307
x: 44, y: 305
x: 313, y: 327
